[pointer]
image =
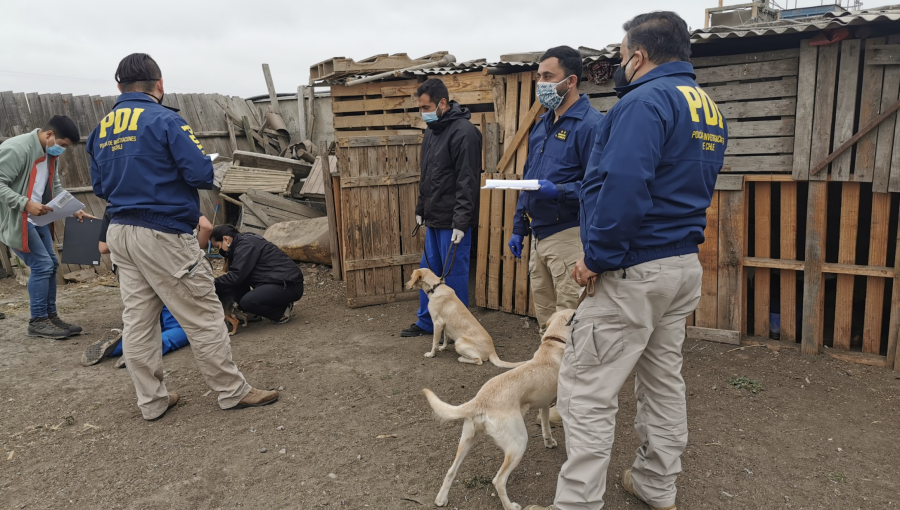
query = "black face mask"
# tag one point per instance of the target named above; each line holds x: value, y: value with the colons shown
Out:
x: 620, y: 80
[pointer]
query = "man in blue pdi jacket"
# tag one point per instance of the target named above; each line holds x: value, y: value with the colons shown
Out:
x: 147, y: 163
x: 559, y: 147
x: 645, y: 194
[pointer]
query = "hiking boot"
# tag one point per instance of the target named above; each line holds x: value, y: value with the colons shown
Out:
x: 42, y: 327
x: 413, y: 330
x: 173, y: 399
x: 101, y: 348
x: 257, y: 398
x: 628, y: 485
x: 75, y: 330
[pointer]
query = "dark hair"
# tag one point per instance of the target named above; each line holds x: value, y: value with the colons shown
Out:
x: 569, y: 60
x: 219, y: 232
x: 435, y: 89
x: 662, y: 34
x: 138, y: 72
x: 63, y: 127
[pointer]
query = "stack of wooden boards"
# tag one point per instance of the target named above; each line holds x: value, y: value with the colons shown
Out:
x: 340, y: 67
x: 261, y: 210
x: 261, y: 172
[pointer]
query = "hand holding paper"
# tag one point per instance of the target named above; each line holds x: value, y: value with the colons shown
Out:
x: 61, y: 206
x: 527, y: 184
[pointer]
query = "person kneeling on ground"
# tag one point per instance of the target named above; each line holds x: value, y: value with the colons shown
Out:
x: 261, y: 278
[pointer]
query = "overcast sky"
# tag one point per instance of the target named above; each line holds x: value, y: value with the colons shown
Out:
x: 219, y: 46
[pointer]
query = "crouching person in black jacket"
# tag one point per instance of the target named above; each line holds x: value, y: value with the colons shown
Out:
x: 261, y: 278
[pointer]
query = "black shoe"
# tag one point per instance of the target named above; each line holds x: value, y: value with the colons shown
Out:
x: 59, y: 323
x: 101, y: 348
x: 413, y: 330
x: 42, y: 327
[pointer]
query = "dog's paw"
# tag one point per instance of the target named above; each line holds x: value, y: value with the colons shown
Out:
x: 441, y: 500
x: 429, y: 354
x: 515, y: 506
x: 550, y: 442
x: 442, y: 348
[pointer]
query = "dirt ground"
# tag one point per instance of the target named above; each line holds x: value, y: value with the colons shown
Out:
x: 820, y: 434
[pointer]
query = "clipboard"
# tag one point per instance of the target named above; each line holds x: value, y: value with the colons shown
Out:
x: 81, y: 244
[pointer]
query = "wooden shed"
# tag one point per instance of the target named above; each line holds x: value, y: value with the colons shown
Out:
x: 791, y: 255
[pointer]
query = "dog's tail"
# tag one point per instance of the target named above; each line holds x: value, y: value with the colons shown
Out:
x: 503, y: 364
x: 447, y: 412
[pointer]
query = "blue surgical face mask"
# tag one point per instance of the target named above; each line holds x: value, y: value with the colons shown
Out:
x: 430, y: 117
x: 548, y: 96
x: 55, y: 150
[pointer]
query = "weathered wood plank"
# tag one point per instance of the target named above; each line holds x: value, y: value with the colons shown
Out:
x: 413, y: 119
x: 754, y: 109
x: 890, y: 92
x: 751, y: 71
x: 496, y: 246
x: 482, y: 255
x: 787, y: 306
x: 379, y: 180
x: 360, y: 301
x: 763, y: 238
x: 745, y: 58
x: 508, y: 261
x: 780, y: 145
x: 843, y: 312
x: 760, y: 128
x: 713, y: 335
x: 743, y: 164
x: 813, y: 282
x: 806, y: 96
x: 848, y: 85
x: 731, y: 252
x: 706, y: 314
x: 869, y: 106
x: 725, y: 182
x: 511, y: 123
x: 826, y: 81
x: 377, y: 88
x: 878, y: 245
x: 334, y: 241
x: 786, y: 87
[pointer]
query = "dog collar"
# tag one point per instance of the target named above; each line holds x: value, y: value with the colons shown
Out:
x: 557, y: 339
x: 430, y: 292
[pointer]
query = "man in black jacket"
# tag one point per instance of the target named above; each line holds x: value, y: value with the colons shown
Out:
x: 448, y: 193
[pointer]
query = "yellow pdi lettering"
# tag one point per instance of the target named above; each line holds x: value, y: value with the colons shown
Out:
x: 134, y: 119
x: 193, y: 138
x: 122, y: 117
x: 106, y: 123
x: 713, y: 115
x: 693, y: 99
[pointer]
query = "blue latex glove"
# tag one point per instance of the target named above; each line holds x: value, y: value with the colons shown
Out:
x: 547, y: 190
x: 515, y: 245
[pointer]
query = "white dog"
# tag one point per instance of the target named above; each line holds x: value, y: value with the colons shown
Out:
x: 499, y: 407
x: 452, y: 319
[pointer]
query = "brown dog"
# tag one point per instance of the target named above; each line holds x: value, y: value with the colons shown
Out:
x: 452, y: 319
x: 500, y: 405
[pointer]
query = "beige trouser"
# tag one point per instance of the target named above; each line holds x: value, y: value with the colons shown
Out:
x: 634, y: 321
x: 153, y: 270
x: 550, y: 266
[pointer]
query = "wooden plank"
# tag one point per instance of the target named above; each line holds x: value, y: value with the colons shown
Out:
x: 378, y: 139
x: 759, y: 262
x: 496, y: 247
x: 806, y: 95
x: 869, y: 106
x: 859, y: 358
x: 508, y: 261
x: 257, y: 211
x: 375, y: 104
x: 510, y: 124
x: 780, y: 145
x: 393, y: 243
x: 843, y: 312
x: 745, y: 58
x: 270, y: 86
x: 753, y: 109
x: 482, y: 255
x: 890, y: 92
x: 731, y: 252
x: 267, y: 199
x: 787, y: 306
x: 852, y: 269
x: 385, y: 261
x: 826, y: 82
x: 713, y: 335
x: 379, y: 180
x: 356, y: 302
x: 342, y: 135
x: 885, y: 54
x: 893, y: 353
x: 726, y: 182
x: 760, y: 128
x: 510, y: 149
x: 377, y: 88
x: 813, y: 282
x: 269, y: 162
x: 780, y: 163
x: 527, y: 86
x: 465, y: 82
x: 763, y: 238
x: 249, y: 132
x: 878, y: 246
x: 751, y: 71
x: 413, y: 119
x: 759, y: 90
x: 491, y: 145
x: 707, y: 312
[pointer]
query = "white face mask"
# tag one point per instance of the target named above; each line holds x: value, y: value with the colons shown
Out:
x: 548, y: 96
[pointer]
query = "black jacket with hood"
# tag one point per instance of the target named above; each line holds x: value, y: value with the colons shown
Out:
x: 254, y: 261
x: 451, y: 171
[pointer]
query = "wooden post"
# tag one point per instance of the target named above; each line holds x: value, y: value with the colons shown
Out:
x: 231, y: 137
x: 731, y: 251
x: 301, y: 113
x: 813, y: 282
x: 330, y: 209
x: 249, y: 133
x: 273, y: 97
x: 787, y: 308
x: 311, y: 113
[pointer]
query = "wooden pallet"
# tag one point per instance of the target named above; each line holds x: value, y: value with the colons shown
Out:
x: 339, y: 67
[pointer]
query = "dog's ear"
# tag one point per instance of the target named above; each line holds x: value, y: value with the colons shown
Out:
x: 569, y: 315
x: 416, y: 276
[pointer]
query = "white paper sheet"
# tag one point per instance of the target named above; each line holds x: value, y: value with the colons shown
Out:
x: 213, y: 156
x: 526, y: 184
x: 63, y: 205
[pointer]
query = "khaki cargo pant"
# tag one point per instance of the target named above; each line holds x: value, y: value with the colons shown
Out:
x: 550, y: 266
x: 635, y: 321
x: 153, y: 271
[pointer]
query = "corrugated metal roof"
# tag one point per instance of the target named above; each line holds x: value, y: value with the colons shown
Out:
x: 828, y: 21
x: 455, y: 68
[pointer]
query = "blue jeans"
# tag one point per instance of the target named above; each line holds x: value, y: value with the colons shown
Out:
x: 43, y: 263
x: 437, y: 242
x: 173, y: 337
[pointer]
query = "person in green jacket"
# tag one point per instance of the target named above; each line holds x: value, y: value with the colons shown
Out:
x: 28, y: 180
